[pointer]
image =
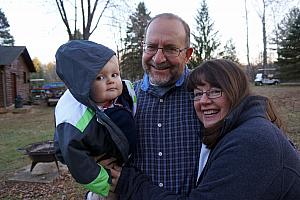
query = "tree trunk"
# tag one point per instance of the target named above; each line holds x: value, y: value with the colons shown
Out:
x: 264, y: 35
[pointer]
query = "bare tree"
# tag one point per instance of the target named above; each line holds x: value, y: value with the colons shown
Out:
x: 247, y: 34
x: 266, y: 5
x: 275, y: 19
x: 263, y: 21
x: 89, y: 11
x: 262, y: 16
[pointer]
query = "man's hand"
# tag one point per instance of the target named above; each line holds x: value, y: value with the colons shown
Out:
x: 115, y: 173
x: 108, y: 163
x: 115, y: 170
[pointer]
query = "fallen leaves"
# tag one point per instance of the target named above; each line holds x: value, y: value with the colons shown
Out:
x: 64, y: 187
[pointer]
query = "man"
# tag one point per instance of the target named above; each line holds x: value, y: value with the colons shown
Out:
x: 168, y: 141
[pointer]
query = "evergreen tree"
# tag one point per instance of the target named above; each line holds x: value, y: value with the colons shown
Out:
x: 78, y: 35
x: 131, y: 59
x: 206, y: 42
x: 229, y: 51
x: 6, y: 38
x: 289, y: 46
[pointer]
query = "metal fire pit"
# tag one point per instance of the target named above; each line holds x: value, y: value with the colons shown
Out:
x: 40, y: 152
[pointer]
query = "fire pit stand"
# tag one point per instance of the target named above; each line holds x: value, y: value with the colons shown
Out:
x: 40, y: 152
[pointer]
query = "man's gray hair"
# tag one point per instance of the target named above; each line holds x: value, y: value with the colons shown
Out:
x: 176, y: 17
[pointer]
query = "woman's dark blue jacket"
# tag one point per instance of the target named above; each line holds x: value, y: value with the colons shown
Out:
x: 253, y: 160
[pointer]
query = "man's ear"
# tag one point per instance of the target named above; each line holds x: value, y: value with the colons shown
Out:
x: 188, y: 54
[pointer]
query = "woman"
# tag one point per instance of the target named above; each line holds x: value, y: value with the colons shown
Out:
x: 244, y: 155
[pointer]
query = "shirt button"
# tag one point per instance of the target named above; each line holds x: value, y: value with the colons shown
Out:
x: 159, y: 153
x: 159, y: 125
x: 160, y: 184
x: 161, y: 100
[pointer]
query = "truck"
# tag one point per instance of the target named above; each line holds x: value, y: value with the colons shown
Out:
x: 53, y: 91
x: 36, y: 90
x: 266, y: 77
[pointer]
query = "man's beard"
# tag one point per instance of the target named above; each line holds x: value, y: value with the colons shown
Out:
x: 168, y: 78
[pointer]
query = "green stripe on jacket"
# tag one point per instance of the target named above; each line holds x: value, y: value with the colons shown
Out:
x: 85, y: 119
x: 100, y: 185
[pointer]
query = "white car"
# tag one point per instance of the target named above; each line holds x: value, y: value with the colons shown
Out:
x: 263, y: 79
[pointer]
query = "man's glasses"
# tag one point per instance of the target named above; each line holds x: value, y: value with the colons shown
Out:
x: 168, y: 51
x: 211, y: 94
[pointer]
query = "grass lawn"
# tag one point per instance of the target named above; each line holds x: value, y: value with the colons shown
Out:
x: 287, y: 103
x: 20, y: 129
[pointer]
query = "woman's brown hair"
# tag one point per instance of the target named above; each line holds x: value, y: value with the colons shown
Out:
x: 229, y: 77
x: 223, y: 74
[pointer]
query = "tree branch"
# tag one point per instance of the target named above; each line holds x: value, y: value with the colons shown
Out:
x: 105, y: 7
x: 62, y: 12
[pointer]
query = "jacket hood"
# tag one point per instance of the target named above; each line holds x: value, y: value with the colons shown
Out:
x: 77, y: 64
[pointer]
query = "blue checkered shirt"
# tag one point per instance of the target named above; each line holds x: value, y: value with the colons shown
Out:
x: 168, y: 142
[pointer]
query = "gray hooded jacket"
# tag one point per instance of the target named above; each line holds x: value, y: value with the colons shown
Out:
x: 83, y: 131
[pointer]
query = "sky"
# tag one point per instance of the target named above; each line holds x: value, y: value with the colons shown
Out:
x: 37, y: 25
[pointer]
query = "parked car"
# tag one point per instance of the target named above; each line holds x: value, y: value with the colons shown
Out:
x: 53, y: 91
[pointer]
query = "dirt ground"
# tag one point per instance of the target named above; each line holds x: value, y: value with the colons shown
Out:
x: 64, y: 187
